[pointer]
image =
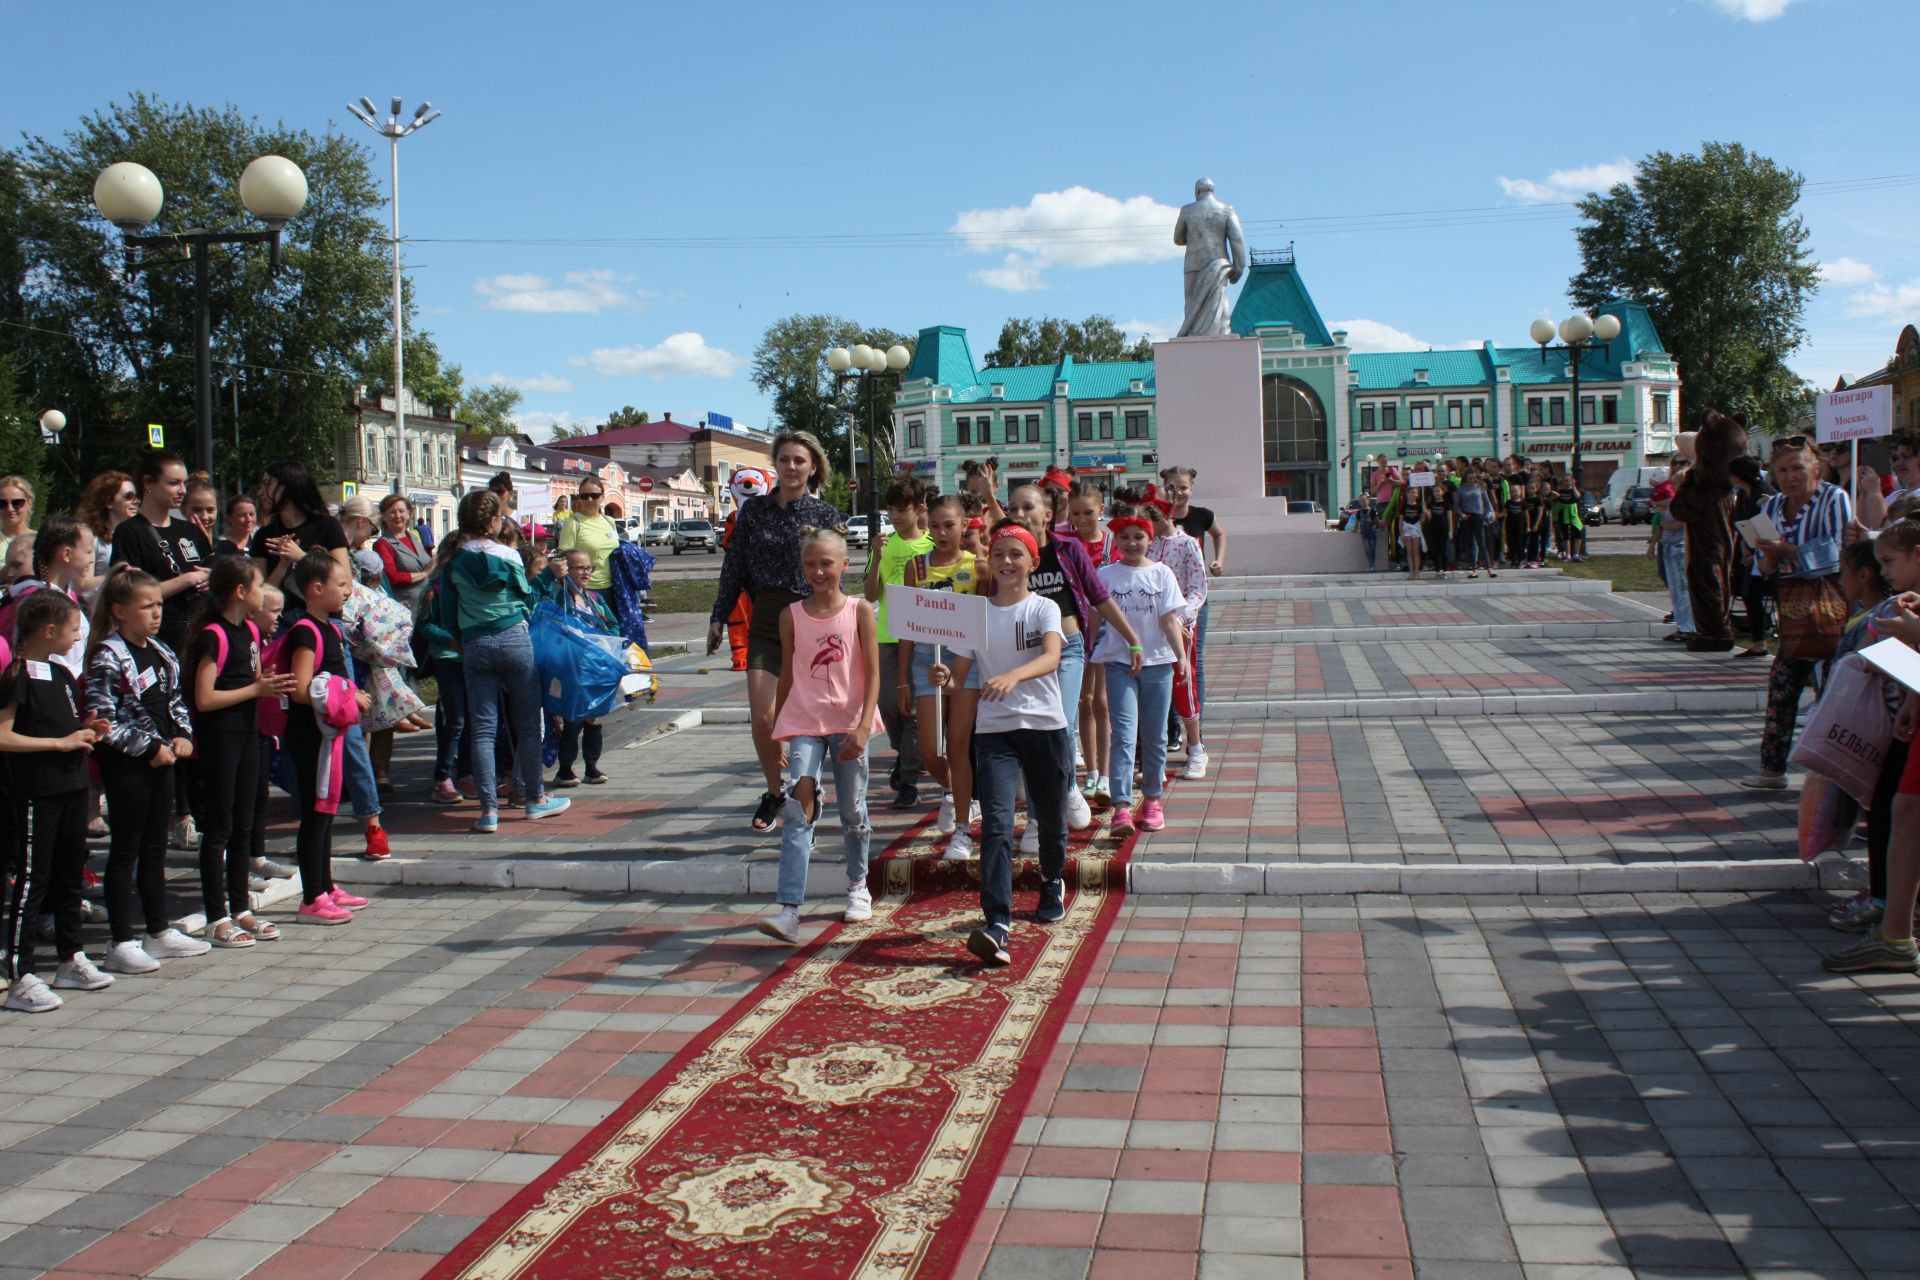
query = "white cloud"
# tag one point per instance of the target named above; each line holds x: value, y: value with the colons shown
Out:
x: 1565, y: 185
x: 1885, y: 300
x: 684, y: 355
x: 1751, y: 10
x: 579, y: 293
x: 1152, y: 330
x: 539, y: 423
x: 1077, y: 227
x: 540, y: 382
x: 1846, y: 272
x: 1376, y: 335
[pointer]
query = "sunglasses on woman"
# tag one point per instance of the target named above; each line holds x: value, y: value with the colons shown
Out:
x: 14, y: 504
x: 1789, y: 442
x: 594, y: 496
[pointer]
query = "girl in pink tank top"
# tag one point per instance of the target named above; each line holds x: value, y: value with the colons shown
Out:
x: 826, y: 708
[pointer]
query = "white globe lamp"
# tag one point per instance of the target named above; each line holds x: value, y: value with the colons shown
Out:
x: 1576, y: 328
x: 1542, y: 331
x: 274, y: 190
x: 53, y: 421
x: 1606, y: 327
x: 128, y: 195
x: 898, y: 357
x: 862, y: 356
x: 839, y: 359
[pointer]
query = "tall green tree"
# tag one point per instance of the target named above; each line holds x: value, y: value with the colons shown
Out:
x: 625, y: 416
x: 490, y: 410
x: 21, y: 453
x: 791, y: 365
x: 1024, y: 341
x: 431, y: 380
x: 115, y: 351
x: 1712, y: 245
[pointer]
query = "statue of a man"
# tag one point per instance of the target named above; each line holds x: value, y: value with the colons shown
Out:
x: 1216, y: 257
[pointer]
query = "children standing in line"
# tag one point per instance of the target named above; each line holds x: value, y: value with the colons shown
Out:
x: 1020, y: 734
x: 1172, y: 547
x: 226, y: 684
x: 948, y: 567
x: 265, y: 617
x: 133, y: 680
x: 322, y: 707
x: 1140, y: 677
x: 45, y: 731
x: 827, y: 703
x: 1085, y: 511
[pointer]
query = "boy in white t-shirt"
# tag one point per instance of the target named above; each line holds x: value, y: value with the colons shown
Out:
x: 1020, y: 731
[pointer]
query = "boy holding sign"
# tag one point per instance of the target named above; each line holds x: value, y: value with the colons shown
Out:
x: 1020, y: 732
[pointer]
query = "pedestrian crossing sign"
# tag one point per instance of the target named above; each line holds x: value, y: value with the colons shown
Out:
x: 156, y: 436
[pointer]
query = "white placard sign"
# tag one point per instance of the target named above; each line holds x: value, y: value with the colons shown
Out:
x: 1421, y: 480
x: 1896, y: 660
x: 945, y: 618
x: 1854, y: 414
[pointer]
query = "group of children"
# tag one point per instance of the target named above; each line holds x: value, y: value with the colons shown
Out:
x: 1073, y: 591
x: 1472, y: 516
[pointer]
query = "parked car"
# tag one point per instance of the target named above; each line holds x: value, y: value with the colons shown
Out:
x: 1592, y: 510
x: 1303, y: 507
x: 858, y: 535
x: 658, y: 534
x: 1637, y: 506
x: 693, y: 535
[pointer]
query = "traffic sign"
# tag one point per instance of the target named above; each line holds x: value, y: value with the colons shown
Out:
x: 156, y: 436
x: 644, y: 484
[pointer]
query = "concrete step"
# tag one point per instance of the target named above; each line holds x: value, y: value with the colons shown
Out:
x: 1364, y: 579
x: 1382, y: 707
x: 713, y: 876
x: 1622, y: 630
x: 1396, y: 588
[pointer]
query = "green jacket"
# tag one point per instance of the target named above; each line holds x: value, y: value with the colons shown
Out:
x: 484, y: 591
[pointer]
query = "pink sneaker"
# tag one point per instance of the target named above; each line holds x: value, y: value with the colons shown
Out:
x: 444, y: 793
x: 469, y: 788
x: 1123, y: 820
x: 1152, y: 816
x: 346, y: 901
x: 323, y: 911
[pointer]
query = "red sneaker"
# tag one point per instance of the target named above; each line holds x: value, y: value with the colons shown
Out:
x: 377, y: 847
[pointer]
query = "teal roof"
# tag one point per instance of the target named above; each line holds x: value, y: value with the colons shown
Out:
x: 1274, y: 294
x: 942, y: 357
x: 1387, y: 370
x: 1638, y: 338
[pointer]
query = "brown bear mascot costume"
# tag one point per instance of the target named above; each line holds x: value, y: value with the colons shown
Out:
x: 1704, y: 504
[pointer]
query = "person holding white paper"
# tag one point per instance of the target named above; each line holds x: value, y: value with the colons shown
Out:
x: 948, y: 567
x: 1812, y: 517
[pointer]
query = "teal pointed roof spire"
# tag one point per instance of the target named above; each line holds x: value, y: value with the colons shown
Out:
x: 1274, y: 293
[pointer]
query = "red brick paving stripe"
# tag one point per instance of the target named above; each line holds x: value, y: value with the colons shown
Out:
x: 1180, y: 1231
x: 1066, y: 1162
x: 406, y: 1195
x: 1051, y: 1228
x: 361, y: 1227
x: 1324, y: 1268
x: 311, y: 1262
x: 1114, y: 1264
x: 1255, y: 1166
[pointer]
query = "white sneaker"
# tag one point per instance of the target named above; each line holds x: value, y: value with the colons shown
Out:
x: 1765, y: 782
x: 859, y: 903
x: 129, y: 957
x: 1079, y: 812
x: 272, y: 870
x: 30, y: 995
x: 1196, y: 763
x: 1030, y: 837
x: 943, y: 821
x: 171, y: 944
x: 80, y: 974
x: 959, y: 848
x: 783, y: 924
x: 184, y: 835
x: 973, y: 813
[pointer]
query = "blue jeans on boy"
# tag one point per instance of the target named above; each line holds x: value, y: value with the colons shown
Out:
x: 1133, y: 701
x: 1044, y: 757
x: 1673, y: 558
x: 805, y: 756
x: 450, y: 722
x: 499, y: 668
x: 362, y: 788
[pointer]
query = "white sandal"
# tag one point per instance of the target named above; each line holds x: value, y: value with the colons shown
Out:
x: 227, y: 933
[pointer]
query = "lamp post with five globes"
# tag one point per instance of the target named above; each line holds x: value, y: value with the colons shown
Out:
x: 128, y: 195
x: 868, y: 363
x: 1578, y: 332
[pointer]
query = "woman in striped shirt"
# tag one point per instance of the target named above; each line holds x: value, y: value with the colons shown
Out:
x: 1811, y: 516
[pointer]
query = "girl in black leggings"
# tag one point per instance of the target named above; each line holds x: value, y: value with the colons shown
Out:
x: 316, y: 648
x: 227, y: 685
x: 133, y: 681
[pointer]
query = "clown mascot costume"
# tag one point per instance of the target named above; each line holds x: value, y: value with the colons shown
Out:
x: 748, y: 482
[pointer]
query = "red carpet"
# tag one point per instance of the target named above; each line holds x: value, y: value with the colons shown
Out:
x: 845, y: 1119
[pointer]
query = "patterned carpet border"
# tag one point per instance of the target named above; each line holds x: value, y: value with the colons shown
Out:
x: 922, y: 1129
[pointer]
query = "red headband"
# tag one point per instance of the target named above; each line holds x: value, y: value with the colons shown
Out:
x: 1057, y: 478
x: 976, y: 523
x: 1119, y: 523
x: 1151, y: 497
x: 1016, y: 532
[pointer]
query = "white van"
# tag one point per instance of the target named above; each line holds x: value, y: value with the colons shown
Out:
x: 1625, y: 478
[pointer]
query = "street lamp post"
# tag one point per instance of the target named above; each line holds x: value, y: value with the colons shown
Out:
x: 868, y: 363
x: 129, y: 196
x: 393, y: 130
x: 1578, y: 333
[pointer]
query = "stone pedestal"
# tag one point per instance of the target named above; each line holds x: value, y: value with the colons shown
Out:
x: 1207, y: 398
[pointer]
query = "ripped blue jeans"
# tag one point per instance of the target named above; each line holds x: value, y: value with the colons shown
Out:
x: 805, y: 756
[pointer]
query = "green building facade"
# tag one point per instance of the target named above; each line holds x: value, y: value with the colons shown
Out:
x: 1328, y: 413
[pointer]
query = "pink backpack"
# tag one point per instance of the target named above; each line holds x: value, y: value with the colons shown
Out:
x: 278, y: 658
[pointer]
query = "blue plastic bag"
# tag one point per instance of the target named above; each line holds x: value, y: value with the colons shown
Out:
x: 578, y: 664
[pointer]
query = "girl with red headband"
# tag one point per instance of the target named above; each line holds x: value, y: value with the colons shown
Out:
x: 1021, y: 734
x: 1140, y: 674
x: 948, y: 567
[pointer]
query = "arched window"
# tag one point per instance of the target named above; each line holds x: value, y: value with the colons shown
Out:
x: 1295, y: 426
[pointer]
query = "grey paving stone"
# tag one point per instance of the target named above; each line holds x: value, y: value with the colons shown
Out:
x: 1459, y: 1240
x: 1355, y: 1170
x: 1032, y: 1262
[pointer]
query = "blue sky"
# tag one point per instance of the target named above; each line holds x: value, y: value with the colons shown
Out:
x: 710, y: 167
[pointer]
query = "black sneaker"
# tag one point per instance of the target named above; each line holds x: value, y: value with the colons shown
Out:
x: 768, y: 809
x: 1053, y: 901
x: 990, y: 944
x: 565, y: 778
x: 906, y: 797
